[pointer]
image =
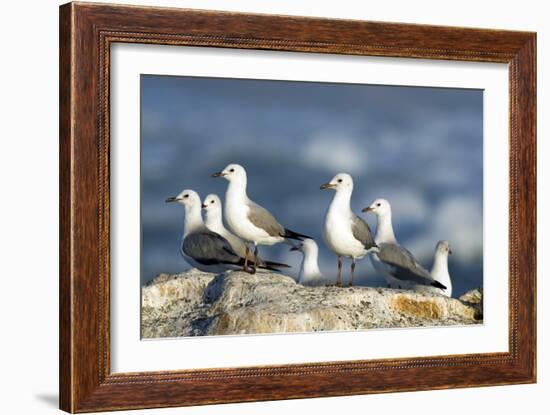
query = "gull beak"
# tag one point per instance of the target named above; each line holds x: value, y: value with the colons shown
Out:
x: 367, y: 209
x: 218, y: 174
x: 204, y: 206
x: 327, y: 186
x: 171, y: 199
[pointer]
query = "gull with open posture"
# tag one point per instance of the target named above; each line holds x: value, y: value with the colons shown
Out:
x: 395, y: 263
x: 309, y: 270
x: 212, y: 205
x: 345, y: 233
x: 200, y: 247
x: 247, y: 219
x: 440, y: 268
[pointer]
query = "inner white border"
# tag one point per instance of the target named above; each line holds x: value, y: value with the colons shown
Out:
x: 130, y: 354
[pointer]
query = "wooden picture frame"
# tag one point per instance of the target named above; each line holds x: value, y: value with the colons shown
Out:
x: 86, y: 33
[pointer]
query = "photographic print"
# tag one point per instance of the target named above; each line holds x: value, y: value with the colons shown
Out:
x: 283, y: 206
x: 314, y: 197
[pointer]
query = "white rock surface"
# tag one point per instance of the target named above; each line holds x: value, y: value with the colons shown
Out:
x: 196, y: 303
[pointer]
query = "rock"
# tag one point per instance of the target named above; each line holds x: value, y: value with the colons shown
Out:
x: 474, y: 298
x: 196, y: 303
x: 171, y: 305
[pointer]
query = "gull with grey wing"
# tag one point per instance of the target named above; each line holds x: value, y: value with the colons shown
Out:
x: 212, y: 206
x: 248, y: 220
x: 396, y: 263
x: 345, y: 233
x: 200, y: 247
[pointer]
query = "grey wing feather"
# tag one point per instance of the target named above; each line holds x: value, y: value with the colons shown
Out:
x: 406, y: 267
x: 261, y: 218
x: 361, y: 232
x: 208, y: 247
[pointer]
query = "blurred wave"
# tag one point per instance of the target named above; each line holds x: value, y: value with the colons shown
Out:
x: 420, y: 148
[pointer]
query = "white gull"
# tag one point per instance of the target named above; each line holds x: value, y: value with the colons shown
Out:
x: 212, y: 206
x: 395, y: 263
x: 310, y: 274
x: 345, y: 233
x: 440, y: 268
x: 247, y: 219
x: 200, y: 247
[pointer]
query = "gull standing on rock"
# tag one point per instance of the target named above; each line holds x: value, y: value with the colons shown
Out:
x: 200, y: 247
x: 213, y: 207
x: 345, y: 233
x: 395, y: 263
x: 440, y: 269
x: 309, y: 270
x: 248, y: 220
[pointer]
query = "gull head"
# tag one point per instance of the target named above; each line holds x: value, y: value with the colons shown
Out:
x: 380, y: 207
x: 212, y: 203
x: 307, y: 246
x: 341, y: 181
x: 443, y: 248
x: 232, y: 172
x: 187, y: 198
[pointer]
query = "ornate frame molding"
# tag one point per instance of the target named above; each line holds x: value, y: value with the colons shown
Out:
x: 86, y: 33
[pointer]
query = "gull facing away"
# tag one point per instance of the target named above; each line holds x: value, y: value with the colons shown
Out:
x: 345, y: 233
x: 247, y: 219
x: 395, y: 263
x: 309, y: 270
x: 213, y: 208
x: 200, y: 247
x: 440, y: 268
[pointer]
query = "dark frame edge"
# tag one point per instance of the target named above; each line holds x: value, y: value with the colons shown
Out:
x: 526, y: 116
x: 66, y: 42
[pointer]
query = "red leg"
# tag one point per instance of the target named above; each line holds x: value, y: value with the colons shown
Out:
x: 339, y: 278
x: 245, y: 266
x: 352, y: 271
x: 255, y: 259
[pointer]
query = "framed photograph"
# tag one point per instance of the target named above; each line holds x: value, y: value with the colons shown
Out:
x: 258, y: 207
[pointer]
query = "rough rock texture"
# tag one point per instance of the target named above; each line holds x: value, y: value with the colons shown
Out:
x: 195, y: 303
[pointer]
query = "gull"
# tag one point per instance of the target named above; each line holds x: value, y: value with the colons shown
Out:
x: 440, y: 268
x: 213, y: 208
x: 345, y: 233
x: 248, y: 220
x: 395, y: 263
x: 200, y: 247
x: 309, y: 270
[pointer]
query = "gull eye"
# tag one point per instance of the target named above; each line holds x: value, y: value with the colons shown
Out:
x: 211, y: 201
x: 378, y: 204
x: 186, y: 196
x: 231, y: 170
x: 339, y: 180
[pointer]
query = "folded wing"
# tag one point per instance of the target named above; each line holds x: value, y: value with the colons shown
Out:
x: 209, y: 248
x: 405, y: 267
x: 362, y: 233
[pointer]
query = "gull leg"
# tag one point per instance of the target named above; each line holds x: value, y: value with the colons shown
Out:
x: 246, y: 251
x: 352, y: 271
x: 339, y: 278
x: 255, y: 259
